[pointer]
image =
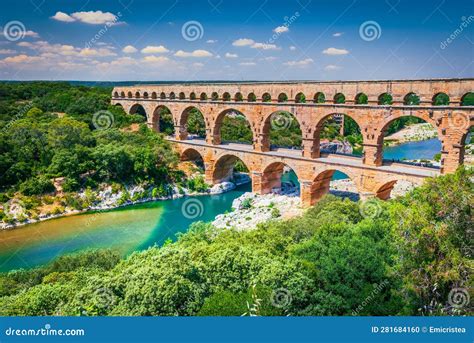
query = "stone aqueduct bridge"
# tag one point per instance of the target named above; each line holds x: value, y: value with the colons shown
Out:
x: 258, y: 101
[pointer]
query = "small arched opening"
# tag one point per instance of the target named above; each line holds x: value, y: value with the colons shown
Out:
x: 300, y: 98
x: 339, y: 98
x: 411, y: 99
x: 319, y: 98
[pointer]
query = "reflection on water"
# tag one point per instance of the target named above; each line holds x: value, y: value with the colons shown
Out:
x: 126, y: 229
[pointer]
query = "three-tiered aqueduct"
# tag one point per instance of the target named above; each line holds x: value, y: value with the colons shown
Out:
x: 258, y: 101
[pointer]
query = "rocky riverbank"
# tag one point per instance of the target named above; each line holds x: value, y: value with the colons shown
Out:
x: 412, y: 133
x: 251, y: 209
x: 19, y: 211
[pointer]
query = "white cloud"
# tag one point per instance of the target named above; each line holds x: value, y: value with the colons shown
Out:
x: 7, y: 51
x: 269, y: 58
x: 247, y: 64
x: 195, y: 53
x: 264, y: 46
x: 129, y: 49
x: 90, y: 17
x: 337, y: 34
x: 61, y: 16
x: 151, y: 49
x: 156, y: 59
x: 301, y: 63
x: 292, y: 48
x: 211, y: 41
x: 198, y: 65
x: 331, y: 67
x: 95, y: 18
x: 281, y: 29
x: 229, y: 55
x: 20, y: 59
x: 335, y: 51
x: 243, y: 42
x: 30, y: 33
x: 102, y: 52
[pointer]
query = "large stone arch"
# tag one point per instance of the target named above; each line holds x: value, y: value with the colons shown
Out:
x: 138, y: 108
x: 313, y: 190
x: 216, y: 137
x: 222, y: 168
x: 183, y: 119
x: 193, y: 155
x: 378, y: 134
x: 154, y: 119
x: 312, y: 139
x: 263, y: 139
x: 271, y: 172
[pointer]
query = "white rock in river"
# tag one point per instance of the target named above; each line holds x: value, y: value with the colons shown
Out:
x: 222, y: 187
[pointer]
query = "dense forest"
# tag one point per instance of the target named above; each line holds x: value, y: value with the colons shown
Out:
x: 403, y: 257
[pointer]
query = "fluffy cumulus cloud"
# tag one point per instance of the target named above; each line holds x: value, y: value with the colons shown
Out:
x: 335, y: 51
x: 61, y: 16
x: 90, y: 17
x: 229, y: 55
x: 195, y: 53
x: 301, y: 63
x: 152, y: 49
x: 156, y: 59
x: 292, y: 48
x: 129, y: 49
x: 281, y: 29
x: 243, y: 42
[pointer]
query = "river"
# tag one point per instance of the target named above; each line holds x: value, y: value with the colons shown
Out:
x: 136, y: 227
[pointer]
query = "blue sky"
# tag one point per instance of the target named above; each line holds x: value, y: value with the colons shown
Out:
x: 113, y: 40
